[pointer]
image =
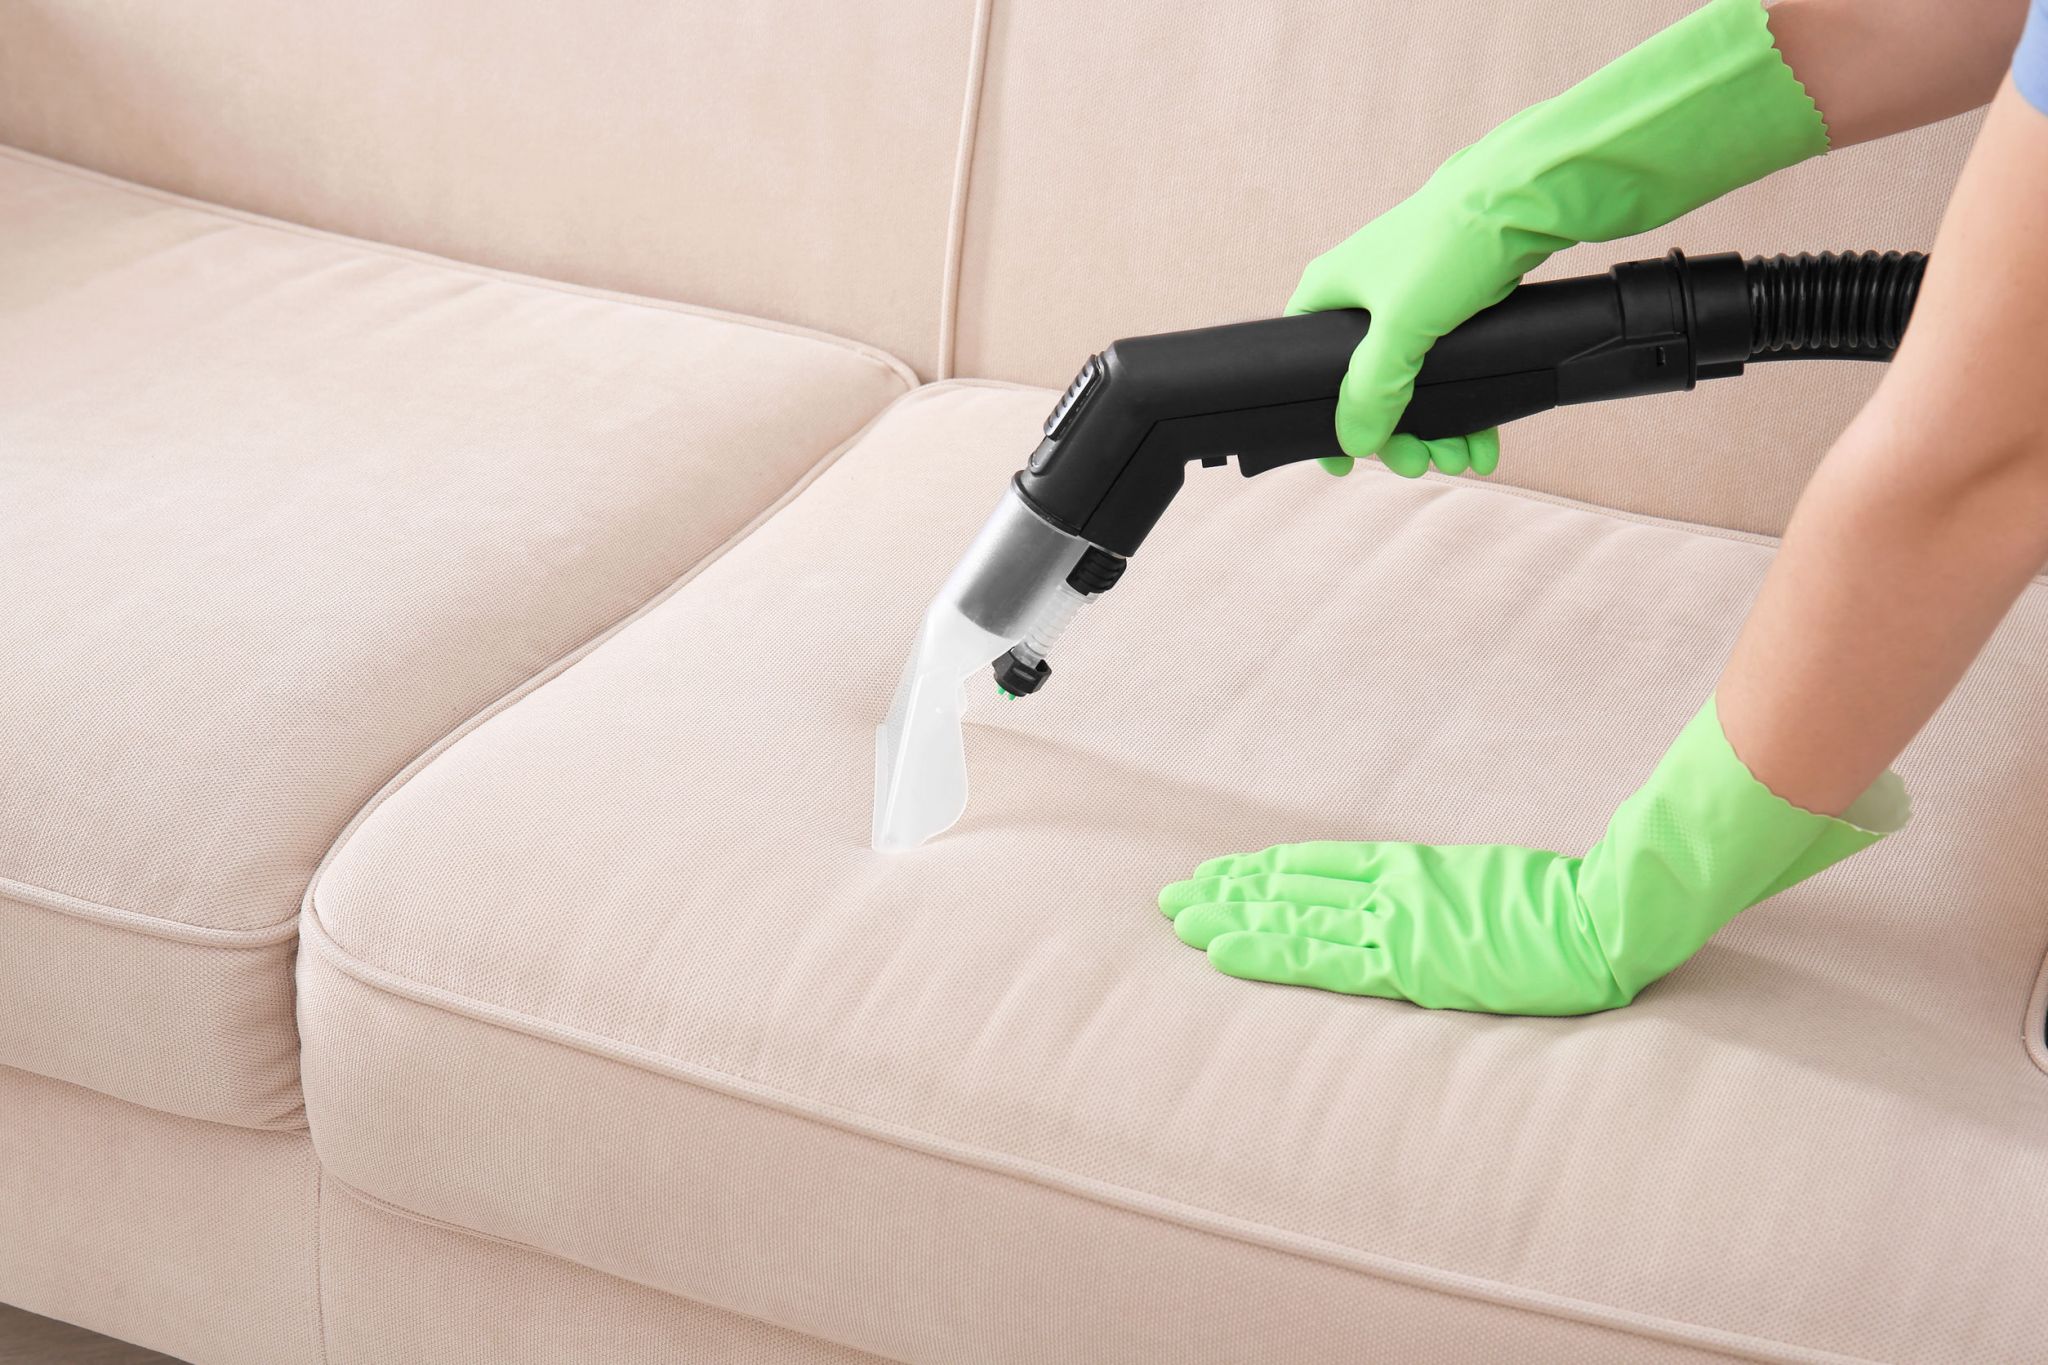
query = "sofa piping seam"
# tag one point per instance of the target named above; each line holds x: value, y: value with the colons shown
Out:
x: 1376, y: 1265
x: 389, y: 1209
x: 135, y: 921
x: 320, y: 1254
x: 963, y: 171
x: 2034, y: 1028
x: 874, y: 355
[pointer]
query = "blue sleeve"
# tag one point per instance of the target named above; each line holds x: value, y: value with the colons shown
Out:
x: 2030, y: 62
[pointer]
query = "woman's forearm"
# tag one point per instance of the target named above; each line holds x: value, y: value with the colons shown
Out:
x: 1877, y: 67
x: 1876, y: 606
x: 1928, y: 517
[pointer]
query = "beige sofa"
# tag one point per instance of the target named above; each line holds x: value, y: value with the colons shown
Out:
x: 470, y: 472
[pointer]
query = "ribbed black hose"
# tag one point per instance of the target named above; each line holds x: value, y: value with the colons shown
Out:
x: 1850, y: 305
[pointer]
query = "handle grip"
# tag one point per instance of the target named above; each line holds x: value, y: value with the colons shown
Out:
x: 1118, y: 443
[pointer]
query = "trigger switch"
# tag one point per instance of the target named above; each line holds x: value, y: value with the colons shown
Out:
x: 1063, y: 412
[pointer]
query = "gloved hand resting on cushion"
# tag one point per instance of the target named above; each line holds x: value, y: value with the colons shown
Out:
x: 1701, y: 108
x: 1517, y: 930
x: 1913, y: 539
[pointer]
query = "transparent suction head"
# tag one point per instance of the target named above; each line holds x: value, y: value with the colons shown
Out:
x: 1009, y: 580
x: 920, y: 751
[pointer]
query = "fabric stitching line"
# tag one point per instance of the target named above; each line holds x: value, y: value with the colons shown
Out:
x: 320, y: 1255
x: 1537, y: 495
x: 135, y: 921
x: 276, y: 1126
x: 2034, y: 1028
x: 385, y: 1206
x: 970, y: 381
x: 1431, y: 1278
x: 872, y: 354
x: 963, y: 170
x: 287, y: 1124
x: 57, y: 902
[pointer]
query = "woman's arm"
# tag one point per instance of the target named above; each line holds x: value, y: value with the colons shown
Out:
x: 1877, y: 67
x: 1931, y: 512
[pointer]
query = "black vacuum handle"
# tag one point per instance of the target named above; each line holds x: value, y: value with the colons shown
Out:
x: 1118, y: 443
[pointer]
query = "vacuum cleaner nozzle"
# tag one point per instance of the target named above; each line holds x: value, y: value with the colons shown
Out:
x: 1118, y: 444
x: 1009, y: 592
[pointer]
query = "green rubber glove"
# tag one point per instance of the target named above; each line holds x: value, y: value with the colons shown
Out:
x: 1516, y: 930
x: 1702, y: 108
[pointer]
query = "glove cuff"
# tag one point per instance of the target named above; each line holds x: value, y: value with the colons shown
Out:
x: 1883, y: 809
x: 1701, y: 108
x: 1703, y: 840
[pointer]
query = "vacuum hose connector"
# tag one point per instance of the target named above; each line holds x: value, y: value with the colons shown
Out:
x: 1023, y: 670
x: 1848, y: 305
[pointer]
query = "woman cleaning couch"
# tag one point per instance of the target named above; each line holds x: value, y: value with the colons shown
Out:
x: 1918, y: 532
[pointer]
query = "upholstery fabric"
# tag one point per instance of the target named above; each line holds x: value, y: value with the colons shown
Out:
x: 282, y: 510
x: 400, y: 1289
x: 197, y: 1021
x: 195, y: 1239
x: 791, y: 159
x: 915, y: 1250
x: 1191, y: 190
x: 617, y: 977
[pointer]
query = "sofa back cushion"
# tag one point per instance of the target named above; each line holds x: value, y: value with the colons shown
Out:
x: 790, y: 159
x: 1145, y: 166
x: 1127, y: 169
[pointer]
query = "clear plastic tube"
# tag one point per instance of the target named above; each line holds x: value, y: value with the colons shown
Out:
x: 1009, y: 579
x: 1052, y: 622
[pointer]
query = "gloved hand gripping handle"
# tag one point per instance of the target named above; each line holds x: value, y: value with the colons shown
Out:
x: 1117, y: 446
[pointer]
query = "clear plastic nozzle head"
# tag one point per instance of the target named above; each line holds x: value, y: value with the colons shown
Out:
x: 920, y: 747
x: 1010, y: 578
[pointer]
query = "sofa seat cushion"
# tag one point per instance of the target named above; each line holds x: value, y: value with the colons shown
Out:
x: 282, y: 510
x: 617, y: 975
